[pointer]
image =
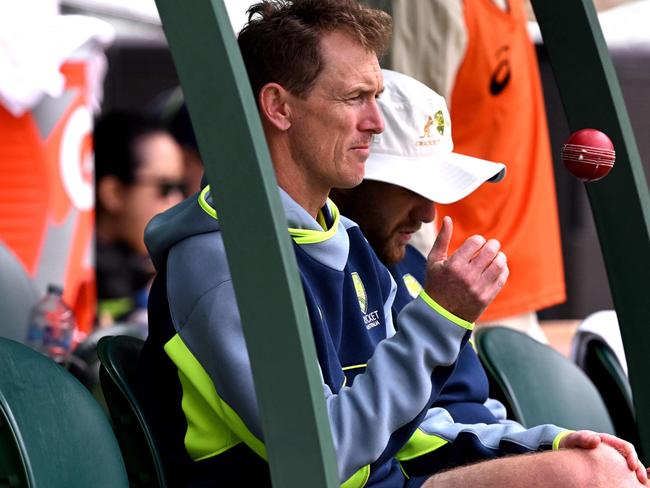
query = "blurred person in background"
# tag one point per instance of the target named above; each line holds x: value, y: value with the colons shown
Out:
x: 170, y: 110
x: 181, y: 128
x: 139, y: 173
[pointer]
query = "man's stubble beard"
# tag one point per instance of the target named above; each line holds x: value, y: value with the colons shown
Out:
x: 387, y: 250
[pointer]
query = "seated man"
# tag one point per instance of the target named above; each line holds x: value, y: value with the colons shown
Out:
x: 313, y: 66
x: 411, y: 166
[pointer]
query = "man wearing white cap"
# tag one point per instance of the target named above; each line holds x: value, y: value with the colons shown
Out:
x: 414, y: 153
x: 411, y: 166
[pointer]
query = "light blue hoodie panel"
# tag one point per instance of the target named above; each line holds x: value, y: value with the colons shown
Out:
x: 495, y: 437
x: 396, y: 385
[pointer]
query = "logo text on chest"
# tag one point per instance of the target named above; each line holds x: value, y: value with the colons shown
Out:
x: 371, y: 319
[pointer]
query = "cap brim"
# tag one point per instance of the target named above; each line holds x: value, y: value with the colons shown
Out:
x: 441, y: 179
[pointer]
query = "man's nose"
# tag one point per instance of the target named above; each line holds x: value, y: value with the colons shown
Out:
x: 425, y: 210
x: 373, y: 121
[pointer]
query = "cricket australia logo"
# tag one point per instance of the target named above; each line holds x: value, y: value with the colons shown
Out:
x: 428, y: 137
x: 412, y: 285
x: 361, y: 292
x: 371, y: 319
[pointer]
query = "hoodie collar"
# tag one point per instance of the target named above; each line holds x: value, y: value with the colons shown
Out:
x: 324, y: 238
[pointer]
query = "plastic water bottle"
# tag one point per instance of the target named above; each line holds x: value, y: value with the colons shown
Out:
x: 51, y: 326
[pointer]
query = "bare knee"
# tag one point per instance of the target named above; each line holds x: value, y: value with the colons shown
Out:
x: 600, y: 467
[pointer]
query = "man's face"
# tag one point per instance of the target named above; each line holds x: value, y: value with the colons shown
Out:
x: 388, y: 216
x: 157, y: 186
x: 331, y: 129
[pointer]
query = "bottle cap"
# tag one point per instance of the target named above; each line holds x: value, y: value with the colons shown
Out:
x: 55, y: 289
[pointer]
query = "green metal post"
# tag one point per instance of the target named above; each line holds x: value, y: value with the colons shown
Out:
x: 260, y: 255
x: 620, y: 203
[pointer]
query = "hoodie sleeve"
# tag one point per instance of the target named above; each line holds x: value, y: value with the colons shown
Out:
x: 440, y: 443
x: 405, y: 372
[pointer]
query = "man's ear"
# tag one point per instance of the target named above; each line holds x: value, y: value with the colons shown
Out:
x: 110, y: 193
x: 274, y: 106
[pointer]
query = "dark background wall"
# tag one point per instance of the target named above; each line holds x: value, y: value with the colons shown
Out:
x: 138, y: 77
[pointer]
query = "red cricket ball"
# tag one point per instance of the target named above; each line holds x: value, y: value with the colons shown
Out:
x: 588, y: 154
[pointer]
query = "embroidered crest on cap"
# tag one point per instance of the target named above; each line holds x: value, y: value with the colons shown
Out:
x: 428, y: 138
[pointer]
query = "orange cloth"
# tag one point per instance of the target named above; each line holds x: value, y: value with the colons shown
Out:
x: 44, y: 218
x: 498, y: 114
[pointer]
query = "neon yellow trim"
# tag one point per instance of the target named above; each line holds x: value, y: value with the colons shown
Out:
x: 308, y: 236
x: 212, y: 425
x: 205, y: 205
x: 401, y: 468
x: 471, y: 343
x: 355, y: 366
x: 320, y: 218
x: 347, y: 368
x: 419, y: 444
x: 559, y: 437
x: 115, y: 307
x: 358, y: 479
x: 448, y: 315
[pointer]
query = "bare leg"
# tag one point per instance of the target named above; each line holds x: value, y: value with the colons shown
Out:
x: 601, y: 467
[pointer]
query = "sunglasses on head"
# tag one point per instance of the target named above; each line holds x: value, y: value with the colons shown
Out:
x: 165, y: 187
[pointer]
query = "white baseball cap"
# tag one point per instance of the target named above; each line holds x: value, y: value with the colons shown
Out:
x: 415, y: 151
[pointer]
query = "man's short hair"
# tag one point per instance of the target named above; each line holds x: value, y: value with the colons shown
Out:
x: 115, y: 137
x: 281, y: 41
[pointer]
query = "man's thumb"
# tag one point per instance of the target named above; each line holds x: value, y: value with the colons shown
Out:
x: 441, y: 245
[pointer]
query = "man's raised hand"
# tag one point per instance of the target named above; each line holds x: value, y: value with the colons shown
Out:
x: 466, y: 282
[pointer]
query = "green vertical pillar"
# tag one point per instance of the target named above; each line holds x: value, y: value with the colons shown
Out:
x: 260, y: 254
x: 620, y: 203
